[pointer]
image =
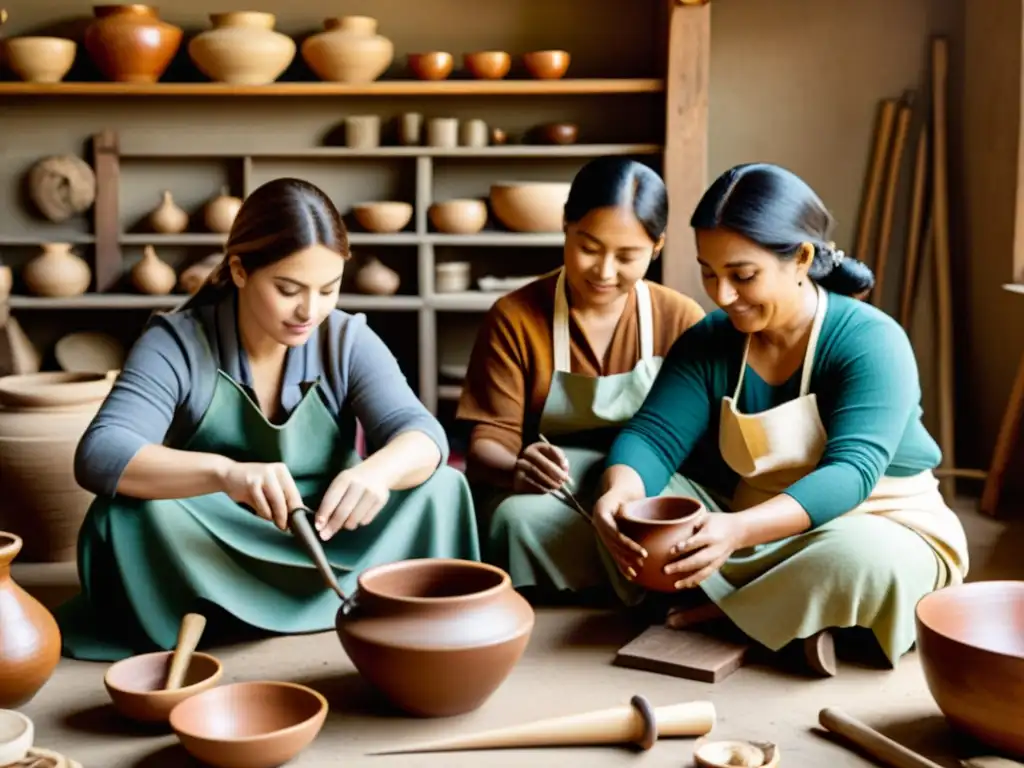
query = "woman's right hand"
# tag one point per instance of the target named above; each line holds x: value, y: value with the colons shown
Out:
x: 269, y: 489
x: 540, y: 467
x: 627, y: 554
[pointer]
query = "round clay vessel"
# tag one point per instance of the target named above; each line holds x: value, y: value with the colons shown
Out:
x: 546, y: 65
x: 556, y: 133
x: 383, y: 216
x: 436, y: 636
x: 219, y: 213
x: 152, y: 275
x: 40, y: 59
x: 57, y: 271
x: 137, y: 684
x: 487, y: 65
x: 130, y: 43
x: 458, y: 217
x: 249, y: 725
x: 970, y: 638
x: 242, y: 48
x: 530, y: 206
x: 349, y: 50
x: 17, y: 735
x: 29, y: 637
x: 436, y: 65
x: 168, y: 218
x: 376, y: 278
x: 658, y: 524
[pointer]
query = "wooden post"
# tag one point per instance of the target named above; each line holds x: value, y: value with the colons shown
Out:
x: 108, y: 266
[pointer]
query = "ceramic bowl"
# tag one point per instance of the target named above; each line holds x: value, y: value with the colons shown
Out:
x: 530, y: 206
x: 971, y: 641
x: 40, y: 59
x: 436, y: 65
x: 459, y: 217
x: 556, y: 133
x: 657, y: 524
x: 135, y: 684
x: 249, y: 725
x: 17, y: 733
x: 54, y: 389
x: 546, y: 65
x: 487, y: 65
x: 383, y: 217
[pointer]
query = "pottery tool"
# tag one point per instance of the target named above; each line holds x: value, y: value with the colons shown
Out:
x: 736, y: 754
x: 637, y: 723
x: 686, y: 653
x: 990, y: 762
x: 302, y: 529
x: 568, y: 480
x: 869, y: 206
x: 880, y: 747
x: 889, y: 197
x: 915, y: 247
x: 191, y: 629
x: 570, y: 499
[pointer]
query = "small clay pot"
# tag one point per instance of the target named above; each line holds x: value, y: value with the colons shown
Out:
x: 658, y: 524
x: 436, y: 65
x: 547, y: 65
x: 57, y: 271
x: 152, y: 275
x: 458, y: 217
x: 17, y: 733
x: 40, y: 59
x: 487, y: 65
x: 556, y: 133
x: 384, y: 217
x: 168, y: 218
x: 219, y: 213
x: 130, y: 43
x: 376, y: 278
x: 137, y: 684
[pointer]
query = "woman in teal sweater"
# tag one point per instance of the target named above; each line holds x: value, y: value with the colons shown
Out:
x: 793, y: 413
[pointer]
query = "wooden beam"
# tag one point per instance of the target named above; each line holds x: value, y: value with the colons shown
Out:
x: 108, y: 267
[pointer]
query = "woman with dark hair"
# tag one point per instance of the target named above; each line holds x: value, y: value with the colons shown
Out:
x: 824, y: 510
x: 232, y: 412
x: 568, y: 358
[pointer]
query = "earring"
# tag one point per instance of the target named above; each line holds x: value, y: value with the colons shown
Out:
x: 799, y: 282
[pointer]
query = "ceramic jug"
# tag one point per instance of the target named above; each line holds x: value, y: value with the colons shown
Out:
x: 242, y: 48
x: 349, y: 50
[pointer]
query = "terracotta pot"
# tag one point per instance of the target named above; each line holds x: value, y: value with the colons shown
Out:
x: 130, y: 43
x: 168, y: 218
x: 57, y: 271
x: 219, y: 213
x: 242, y: 48
x: 29, y: 636
x: 40, y: 59
x: 547, y: 65
x: 376, y: 279
x: 458, y: 217
x: 526, y: 206
x: 657, y: 525
x: 348, y: 51
x: 970, y: 638
x: 436, y: 636
x: 383, y: 216
x: 436, y: 65
x: 487, y: 65
x: 152, y: 275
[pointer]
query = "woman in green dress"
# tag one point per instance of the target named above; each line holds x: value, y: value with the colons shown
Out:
x: 231, y: 412
x: 824, y: 509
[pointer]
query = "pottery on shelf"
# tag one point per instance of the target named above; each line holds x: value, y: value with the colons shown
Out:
x: 61, y: 186
x: 458, y: 217
x: 349, y: 50
x: 487, y: 65
x: 29, y: 636
x: 57, y: 271
x: 452, y: 277
x: 383, y: 216
x: 152, y: 275
x: 220, y: 211
x: 242, y: 48
x: 547, y: 65
x: 40, y: 59
x: 658, y: 524
x: 130, y: 43
x: 168, y: 218
x: 376, y: 278
x: 436, y: 636
x: 556, y: 133
x: 435, y: 65
x: 530, y: 206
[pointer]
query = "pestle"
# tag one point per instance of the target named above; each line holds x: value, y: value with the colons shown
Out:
x: 192, y: 626
x: 302, y: 528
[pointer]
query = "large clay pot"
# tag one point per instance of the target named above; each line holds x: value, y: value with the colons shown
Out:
x: 130, y: 43
x: 242, y: 48
x: 658, y: 524
x: 29, y: 636
x: 348, y: 51
x: 57, y: 271
x: 436, y: 636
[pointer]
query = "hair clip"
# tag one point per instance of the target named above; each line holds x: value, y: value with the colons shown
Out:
x: 837, y: 258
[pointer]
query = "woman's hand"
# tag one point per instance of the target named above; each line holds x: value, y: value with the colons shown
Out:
x: 268, y: 488
x: 714, y: 539
x: 627, y: 554
x: 353, y: 499
x: 540, y: 467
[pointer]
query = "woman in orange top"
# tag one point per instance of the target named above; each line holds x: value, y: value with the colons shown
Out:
x: 568, y: 359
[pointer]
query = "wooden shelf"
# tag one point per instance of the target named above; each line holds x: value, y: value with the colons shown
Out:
x: 504, y: 239
x: 464, y: 301
x: 355, y: 302
x: 312, y: 153
x: 60, y: 237
x: 213, y: 239
x: 567, y: 87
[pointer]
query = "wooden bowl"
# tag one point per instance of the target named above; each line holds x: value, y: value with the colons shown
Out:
x: 556, y: 133
x: 384, y: 216
x: 249, y: 725
x: 530, y: 206
x: 459, y: 217
x: 547, y: 65
x: 487, y: 65
x: 657, y: 524
x: 40, y: 59
x: 971, y: 641
x: 17, y: 733
x: 436, y: 65
x: 136, y: 684
x: 53, y: 389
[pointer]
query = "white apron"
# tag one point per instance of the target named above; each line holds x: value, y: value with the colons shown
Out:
x: 773, y: 449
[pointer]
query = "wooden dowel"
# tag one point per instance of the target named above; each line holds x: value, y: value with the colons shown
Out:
x: 869, y: 207
x: 889, y: 198
x: 916, y: 244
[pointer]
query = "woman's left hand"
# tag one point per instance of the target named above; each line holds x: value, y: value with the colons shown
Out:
x: 708, y: 547
x: 353, y: 499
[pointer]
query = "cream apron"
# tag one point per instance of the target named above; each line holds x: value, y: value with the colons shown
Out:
x: 773, y: 449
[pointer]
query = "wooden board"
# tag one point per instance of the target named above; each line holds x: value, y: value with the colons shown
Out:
x: 683, y: 653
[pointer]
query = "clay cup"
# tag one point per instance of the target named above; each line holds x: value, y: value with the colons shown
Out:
x: 658, y: 524
x: 136, y: 684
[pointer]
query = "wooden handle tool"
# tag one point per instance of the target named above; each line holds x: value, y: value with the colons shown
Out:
x: 880, y: 747
x: 192, y: 626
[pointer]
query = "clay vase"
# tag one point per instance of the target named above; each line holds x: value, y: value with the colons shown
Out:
x: 130, y: 43
x: 242, y: 48
x: 167, y: 218
x: 57, y: 271
x: 438, y: 636
x: 219, y: 213
x: 377, y: 279
x: 152, y: 275
x: 657, y: 525
x: 348, y: 51
x: 29, y: 636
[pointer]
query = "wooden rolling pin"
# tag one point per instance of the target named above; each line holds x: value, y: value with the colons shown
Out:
x: 880, y: 747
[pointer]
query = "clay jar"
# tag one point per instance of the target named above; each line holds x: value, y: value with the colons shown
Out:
x: 57, y: 271
x: 657, y: 525
x: 219, y: 213
x: 152, y: 275
x: 29, y: 636
x: 130, y: 43
x: 436, y: 636
x: 168, y: 218
x: 376, y: 279
x: 242, y: 48
x: 349, y: 51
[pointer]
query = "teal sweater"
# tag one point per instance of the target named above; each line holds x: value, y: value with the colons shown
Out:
x: 866, y: 381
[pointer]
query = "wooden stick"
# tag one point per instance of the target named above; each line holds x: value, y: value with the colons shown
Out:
x: 869, y: 207
x: 1011, y: 430
x: 880, y: 747
x: 906, y: 111
x: 914, y: 229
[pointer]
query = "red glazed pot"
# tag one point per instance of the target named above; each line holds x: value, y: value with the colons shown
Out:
x: 436, y: 636
x: 130, y: 43
x: 658, y: 524
x: 971, y: 641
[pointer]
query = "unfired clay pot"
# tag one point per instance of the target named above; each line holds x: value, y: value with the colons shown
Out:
x: 40, y: 59
x: 376, y: 278
x: 29, y: 636
x: 242, y: 48
x: 436, y: 636
x: 530, y: 206
x: 57, y: 271
x: 219, y: 213
x: 349, y: 51
x: 130, y: 43
x: 657, y: 525
x: 168, y: 218
x: 152, y: 275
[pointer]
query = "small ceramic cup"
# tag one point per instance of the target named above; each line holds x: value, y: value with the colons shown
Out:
x: 451, y: 277
x: 410, y: 129
x: 473, y: 133
x: 362, y: 131
x: 443, y: 132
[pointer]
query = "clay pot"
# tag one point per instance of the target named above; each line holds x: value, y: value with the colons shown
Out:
x: 29, y: 636
x: 384, y: 216
x: 348, y: 51
x: 152, y: 275
x: 970, y: 638
x: 537, y: 206
x: 40, y: 59
x: 657, y: 525
x: 242, y: 48
x: 556, y: 133
x: 487, y: 65
x: 458, y: 217
x: 452, y: 277
x: 136, y: 685
x: 130, y: 43
x: 546, y: 65
x: 57, y: 271
x: 436, y: 636
x: 167, y: 218
x: 436, y: 65
x: 219, y: 213
x: 376, y: 279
